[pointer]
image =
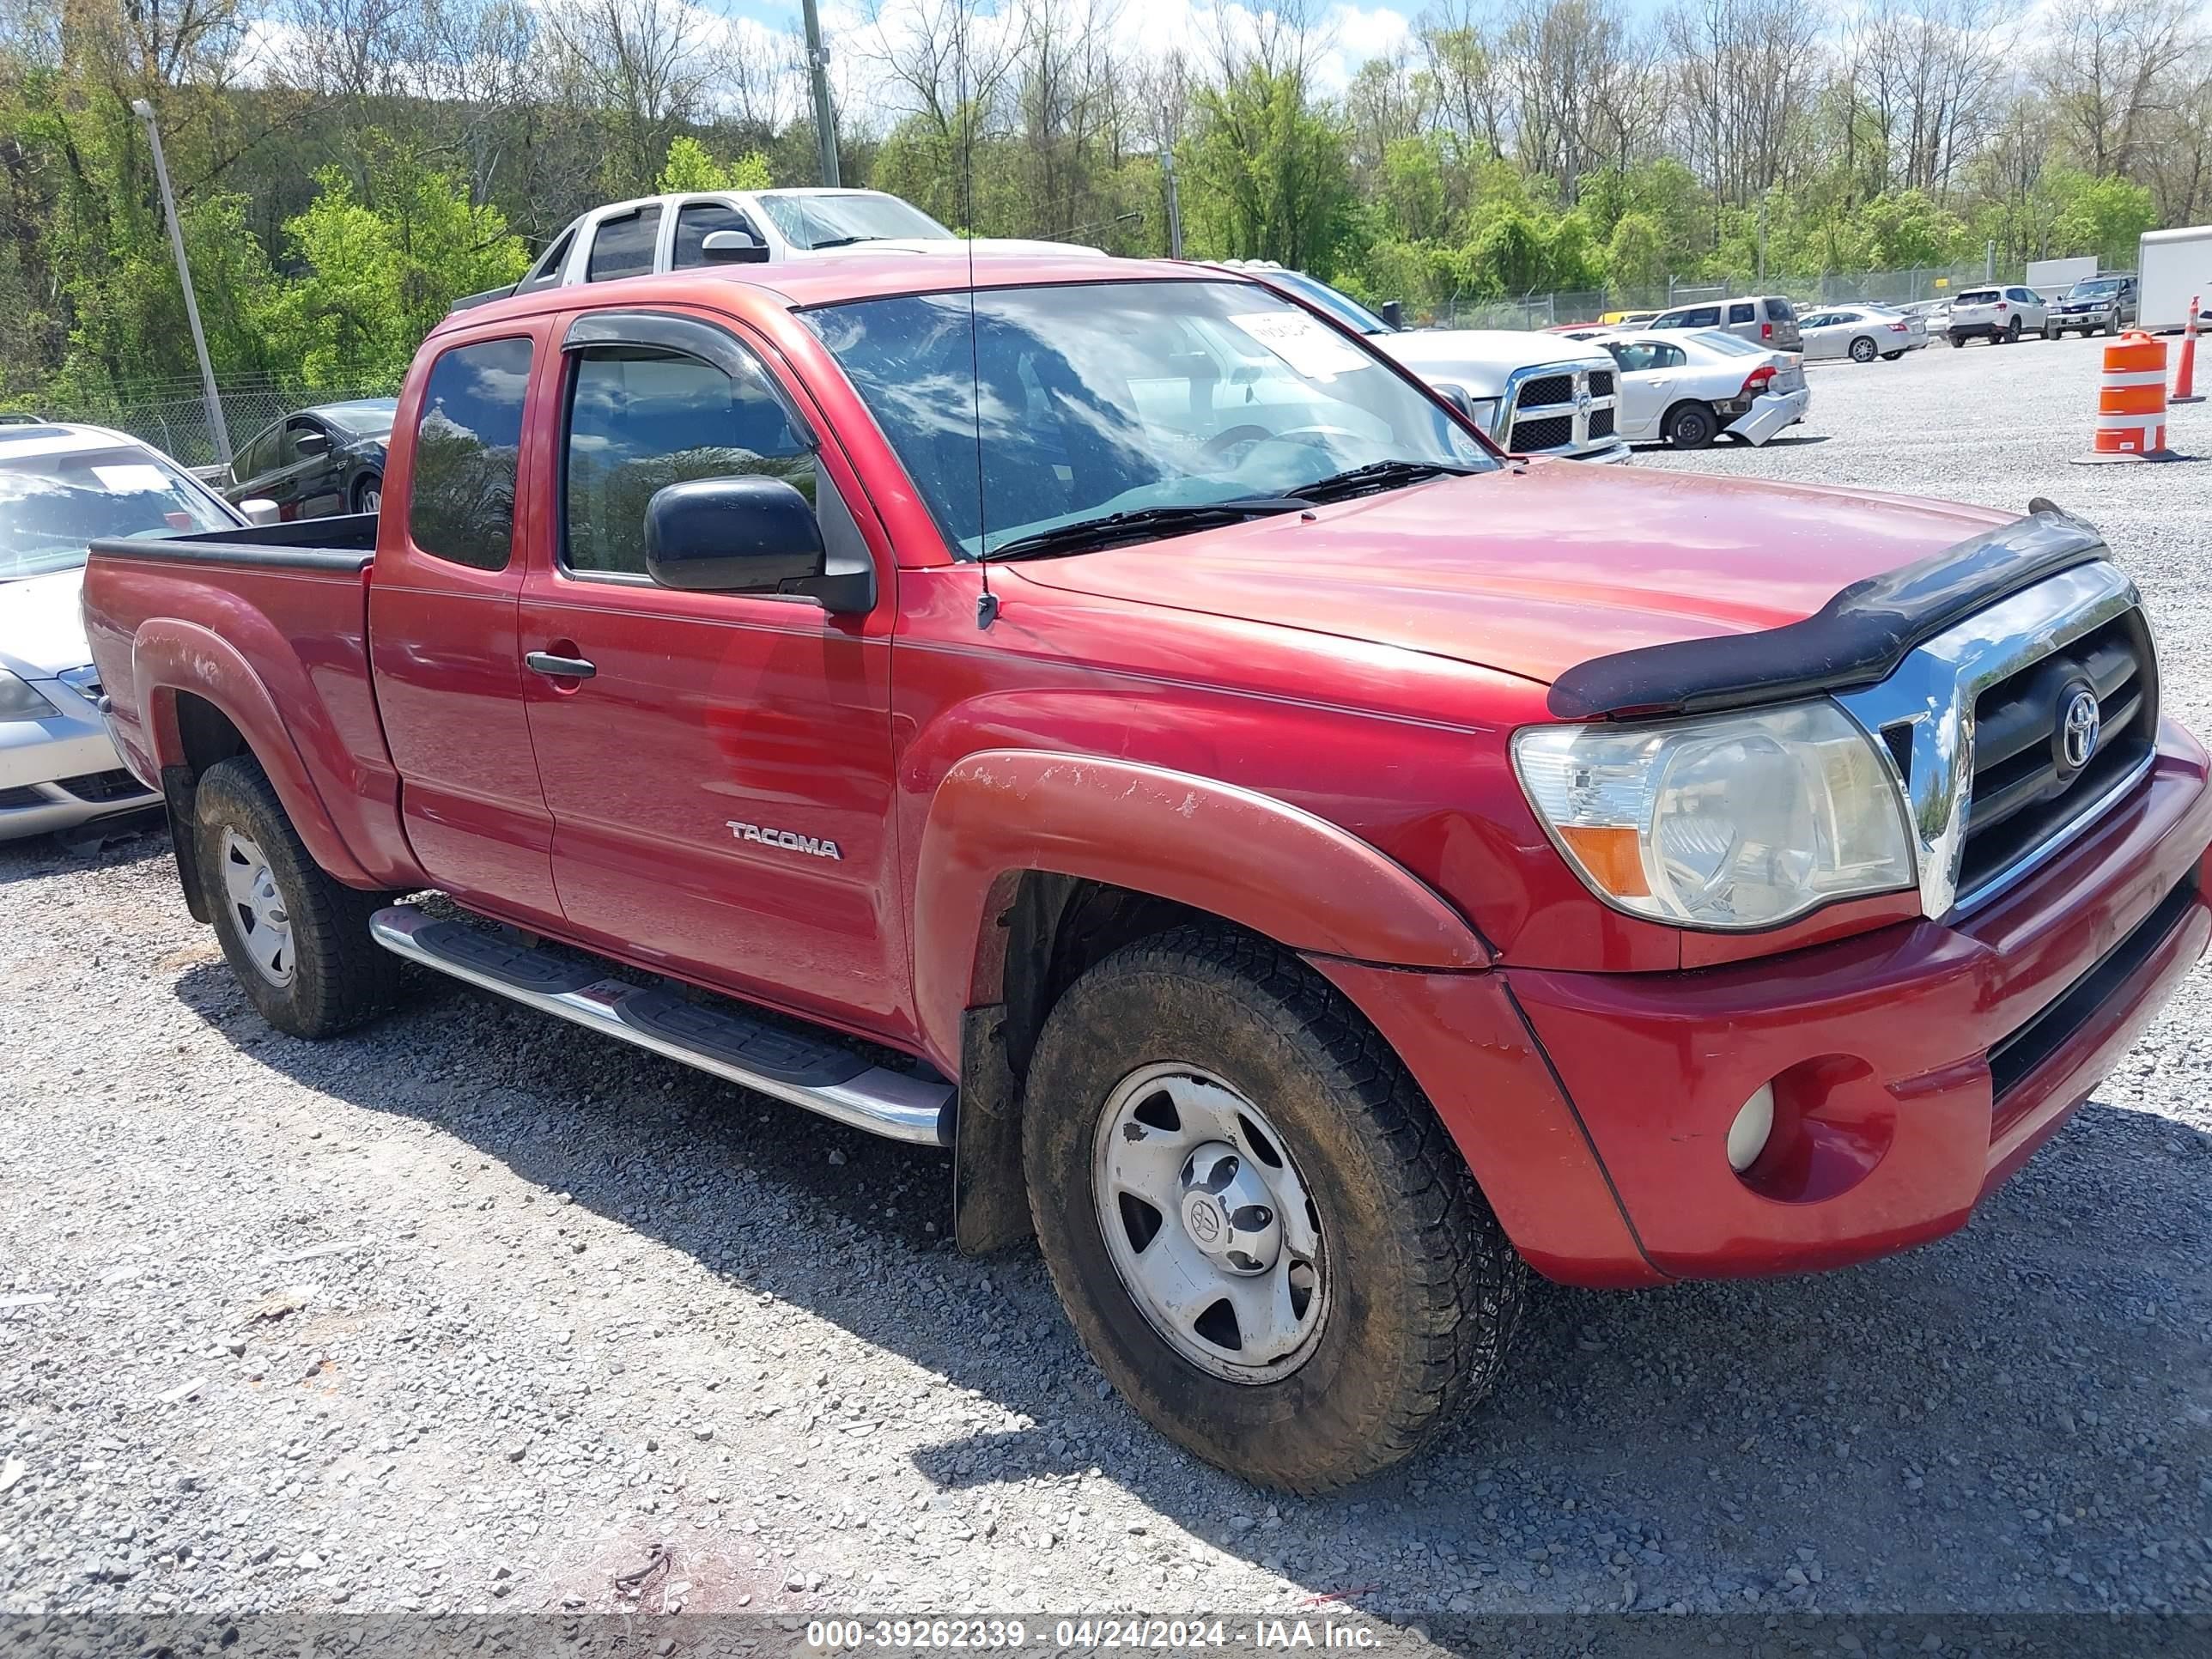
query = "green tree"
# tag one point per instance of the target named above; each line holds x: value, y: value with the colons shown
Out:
x: 1268, y: 173
x: 382, y: 267
x: 1635, y: 253
x: 691, y: 166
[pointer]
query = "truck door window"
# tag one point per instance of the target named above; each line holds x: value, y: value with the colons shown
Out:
x: 694, y: 220
x: 623, y: 247
x: 640, y: 418
x: 461, y: 505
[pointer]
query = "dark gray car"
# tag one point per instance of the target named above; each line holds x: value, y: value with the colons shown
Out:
x: 317, y: 463
x: 2103, y: 304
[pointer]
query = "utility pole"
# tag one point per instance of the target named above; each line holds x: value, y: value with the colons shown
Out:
x: 818, y: 65
x: 1989, y: 260
x: 216, y: 428
x: 1175, y: 205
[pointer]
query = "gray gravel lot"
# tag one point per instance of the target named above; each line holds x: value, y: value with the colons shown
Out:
x: 474, y: 1310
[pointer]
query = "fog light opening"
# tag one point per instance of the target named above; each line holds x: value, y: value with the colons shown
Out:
x: 1754, y: 1123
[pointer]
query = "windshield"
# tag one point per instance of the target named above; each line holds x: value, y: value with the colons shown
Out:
x: 1342, y: 306
x: 371, y: 418
x: 2095, y: 288
x: 1097, y: 398
x: 50, y: 506
x: 812, y: 219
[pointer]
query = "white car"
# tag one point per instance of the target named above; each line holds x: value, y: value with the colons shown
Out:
x: 1862, y: 333
x: 1997, y: 314
x: 656, y: 233
x: 1535, y: 394
x: 61, y: 487
x: 1685, y: 389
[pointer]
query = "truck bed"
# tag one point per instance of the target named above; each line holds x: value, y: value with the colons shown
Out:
x: 268, y: 623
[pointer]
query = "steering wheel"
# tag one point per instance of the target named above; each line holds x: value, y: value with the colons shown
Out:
x: 1250, y: 436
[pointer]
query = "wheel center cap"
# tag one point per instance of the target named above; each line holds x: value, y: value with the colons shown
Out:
x: 1228, y: 1211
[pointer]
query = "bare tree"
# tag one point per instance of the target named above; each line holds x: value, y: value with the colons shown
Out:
x: 642, y: 66
x: 2109, y: 71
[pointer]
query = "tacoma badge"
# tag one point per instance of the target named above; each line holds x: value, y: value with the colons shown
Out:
x: 783, y: 838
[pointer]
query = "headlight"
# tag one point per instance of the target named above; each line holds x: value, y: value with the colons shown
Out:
x: 1734, y: 821
x: 18, y: 702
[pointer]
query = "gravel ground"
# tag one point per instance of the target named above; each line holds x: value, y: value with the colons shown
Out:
x: 474, y: 1310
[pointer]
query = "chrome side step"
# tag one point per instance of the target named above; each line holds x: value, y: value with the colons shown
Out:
x: 817, y: 1072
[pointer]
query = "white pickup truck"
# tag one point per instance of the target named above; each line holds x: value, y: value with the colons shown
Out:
x: 1535, y: 394
x: 654, y: 234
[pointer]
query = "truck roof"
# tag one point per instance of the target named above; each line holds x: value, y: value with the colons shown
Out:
x: 828, y: 282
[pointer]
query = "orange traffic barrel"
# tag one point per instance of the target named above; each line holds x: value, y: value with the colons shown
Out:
x: 2131, y: 401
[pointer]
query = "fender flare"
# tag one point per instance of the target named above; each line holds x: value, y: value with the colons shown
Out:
x: 1282, y: 872
x: 169, y: 656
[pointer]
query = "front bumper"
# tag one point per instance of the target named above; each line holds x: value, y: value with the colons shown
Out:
x: 62, y: 771
x: 1915, y: 1068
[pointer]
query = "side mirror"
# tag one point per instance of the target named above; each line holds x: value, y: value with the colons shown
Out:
x: 260, y: 511
x: 732, y: 247
x: 311, y: 443
x: 748, y: 535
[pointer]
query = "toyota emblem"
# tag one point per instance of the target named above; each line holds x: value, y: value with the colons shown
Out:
x: 2078, y: 726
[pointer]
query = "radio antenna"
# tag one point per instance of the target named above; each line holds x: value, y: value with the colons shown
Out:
x: 986, y: 602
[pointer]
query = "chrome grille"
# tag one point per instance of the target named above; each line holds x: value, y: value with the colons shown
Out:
x: 2024, y: 790
x: 1971, y: 717
x: 1556, y: 408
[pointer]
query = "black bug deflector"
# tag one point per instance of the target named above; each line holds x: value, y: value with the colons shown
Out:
x: 1857, y: 639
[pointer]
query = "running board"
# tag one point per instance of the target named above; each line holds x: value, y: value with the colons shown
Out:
x: 814, y: 1072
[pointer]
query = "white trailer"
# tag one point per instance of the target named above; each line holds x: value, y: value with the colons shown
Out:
x: 2052, y: 277
x: 2173, y: 264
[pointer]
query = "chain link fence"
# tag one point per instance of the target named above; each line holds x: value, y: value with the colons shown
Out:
x: 172, y: 414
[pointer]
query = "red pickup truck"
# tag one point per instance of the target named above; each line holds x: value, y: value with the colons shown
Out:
x: 1103, y: 718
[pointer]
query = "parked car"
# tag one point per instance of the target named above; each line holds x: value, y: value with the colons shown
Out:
x: 19, y: 417
x: 1766, y: 319
x: 1862, y: 333
x: 1627, y: 319
x: 1530, y: 393
x: 1684, y: 389
x: 318, y: 462
x: 60, y: 488
x: 677, y: 232
x: 1307, y: 870
x: 2103, y: 304
x: 1999, y: 315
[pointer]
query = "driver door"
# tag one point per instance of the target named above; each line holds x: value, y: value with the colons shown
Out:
x: 718, y: 765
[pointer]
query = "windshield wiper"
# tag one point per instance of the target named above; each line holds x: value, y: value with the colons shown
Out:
x: 841, y: 241
x: 1381, y: 475
x: 1139, y: 523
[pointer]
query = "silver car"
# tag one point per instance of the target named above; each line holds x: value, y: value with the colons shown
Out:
x: 1862, y: 333
x: 60, y: 488
x: 1766, y: 319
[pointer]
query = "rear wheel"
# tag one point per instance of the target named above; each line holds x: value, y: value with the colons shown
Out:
x: 1958, y: 341
x: 1259, y: 1229
x: 1891, y: 356
x: 297, y: 939
x: 1690, y: 426
x: 1862, y: 350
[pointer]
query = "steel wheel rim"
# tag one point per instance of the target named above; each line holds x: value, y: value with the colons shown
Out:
x: 264, y: 923
x: 1207, y: 1221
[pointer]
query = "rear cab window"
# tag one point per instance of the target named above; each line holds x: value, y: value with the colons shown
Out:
x: 546, y: 273
x: 623, y: 247
x: 468, y: 441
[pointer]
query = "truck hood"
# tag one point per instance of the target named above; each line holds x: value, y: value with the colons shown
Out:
x: 42, y: 625
x: 1534, y: 571
x: 1480, y: 359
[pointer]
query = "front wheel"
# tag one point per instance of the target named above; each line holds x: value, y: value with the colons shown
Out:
x: 297, y: 939
x: 2012, y: 332
x: 2111, y: 325
x: 369, y: 494
x: 1258, y: 1227
x: 1690, y: 426
x: 2048, y: 332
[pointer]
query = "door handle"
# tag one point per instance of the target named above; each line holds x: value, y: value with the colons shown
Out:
x: 559, y: 668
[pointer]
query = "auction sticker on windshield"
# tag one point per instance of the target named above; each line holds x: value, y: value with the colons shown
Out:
x: 1303, y: 341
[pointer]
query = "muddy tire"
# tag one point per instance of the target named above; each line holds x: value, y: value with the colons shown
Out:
x: 1206, y: 1120
x: 297, y: 939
